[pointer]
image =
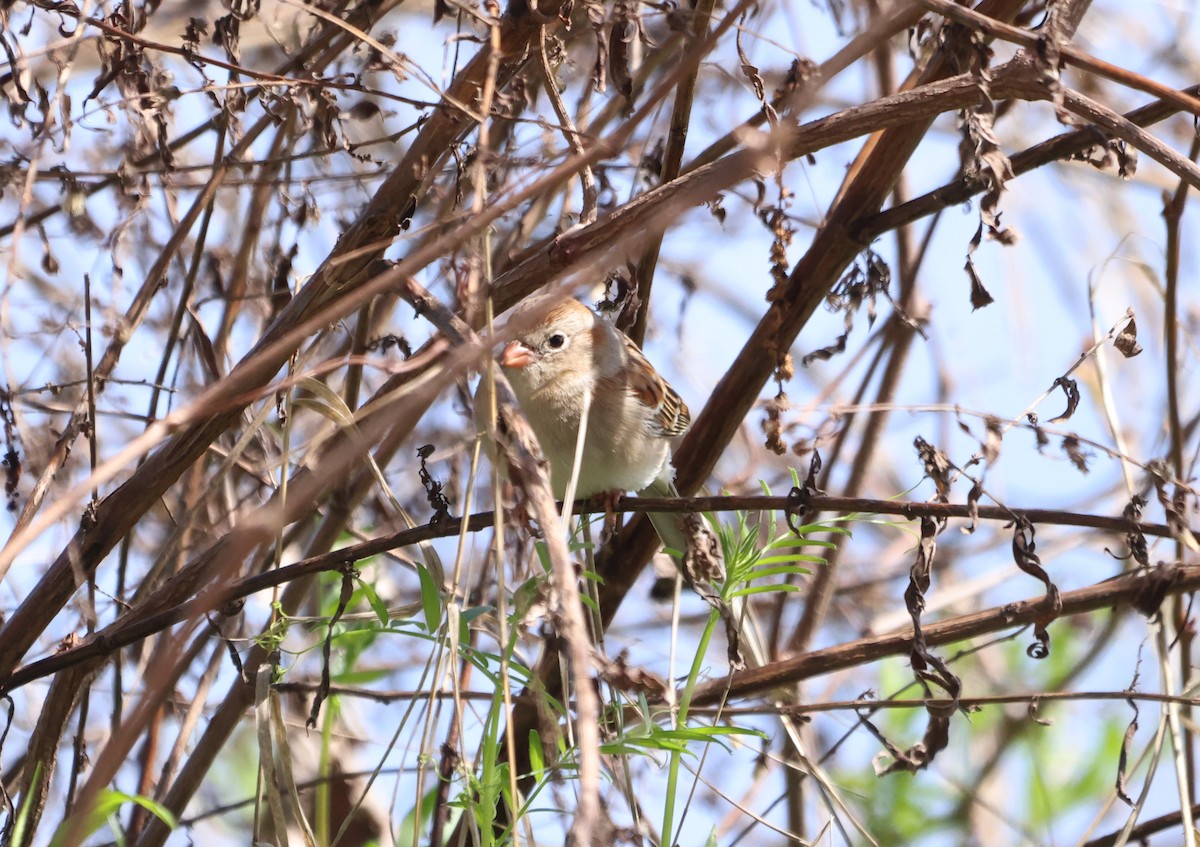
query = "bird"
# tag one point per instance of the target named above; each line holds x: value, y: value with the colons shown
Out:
x: 567, y: 361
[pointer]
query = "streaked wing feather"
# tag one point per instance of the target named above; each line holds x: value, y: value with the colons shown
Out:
x: 671, y: 416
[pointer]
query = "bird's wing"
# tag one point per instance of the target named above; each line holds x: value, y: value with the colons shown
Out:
x: 670, y: 414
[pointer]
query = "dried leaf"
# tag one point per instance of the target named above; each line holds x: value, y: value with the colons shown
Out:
x: 1110, y: 156
x: 631, y: 680
x: 196, y: 29
x: 702, y: 560
x: 227, y: 33
x: 49, y: 263
x: 756, y: 81
x: 1023, y: 548
x: 799, y: 496
x: 1126, y: 341
x: 716, y: 208
x: 344, y: 597
x: 866, y: 280
x: 1174, y: 505
x: 19, y: 99
x: 988, y: 165
x: 597, y: 20
x: 937, y: 467
x: 624, y: 31
x: 936, y: 738
x: 12, y: 476
x: 918, y: 577
x: 980, y: 296
x: 1040, y: 438
x: 1070, y: 388
x: 929, y: 669
x: 772, y: 423
x: 1135, y: 539
x: 973, y: 506
x: 1123, y: 756
x: 991, y: 447
x: 704, y: 564
x: 433, y: 488
x: 1075, y: 452
x: 825, y: 353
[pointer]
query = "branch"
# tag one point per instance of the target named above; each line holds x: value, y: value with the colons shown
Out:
x: 1143, y: 591
x: 153, y: 617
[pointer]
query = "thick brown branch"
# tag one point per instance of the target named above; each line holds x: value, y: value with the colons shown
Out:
x: 1126, y: 590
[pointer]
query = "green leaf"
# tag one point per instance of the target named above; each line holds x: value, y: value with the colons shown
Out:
x: 354, y: 677
x: 791, y: 557
x: 674, y: 740
x: 812, y: 528
x: 376, y: 604
x: 763, y: 589
x: 760, y: 572
x: 106, y: 805
x: 631, y: 746
x: 537, y: 761
x: 474, y: 612
x: 18, y: 833
x: 431, y: 600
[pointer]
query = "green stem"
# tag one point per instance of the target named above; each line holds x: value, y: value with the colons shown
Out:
x: 681, y: 719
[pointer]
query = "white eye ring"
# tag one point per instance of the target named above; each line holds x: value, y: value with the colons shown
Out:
x: 556, y: 341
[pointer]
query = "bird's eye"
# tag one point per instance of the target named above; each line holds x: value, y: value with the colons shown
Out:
x: 556, y: 341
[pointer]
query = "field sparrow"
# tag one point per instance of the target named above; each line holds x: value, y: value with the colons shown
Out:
x: 568, y: 359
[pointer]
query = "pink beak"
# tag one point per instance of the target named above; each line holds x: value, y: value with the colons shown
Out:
x: 516, y: 355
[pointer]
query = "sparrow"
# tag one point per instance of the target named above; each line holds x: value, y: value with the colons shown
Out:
x: 567, y: 360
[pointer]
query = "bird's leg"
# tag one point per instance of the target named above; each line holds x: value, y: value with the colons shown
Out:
x: 609, y: 499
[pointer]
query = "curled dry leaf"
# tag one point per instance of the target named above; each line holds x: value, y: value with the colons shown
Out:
x: 973, y: 505
x: 798, y: 498
x: 1111, y: 156
x: 1071, y: 388
x: 987, y: 164
x: 929, y: 668
x: 1075, y: 452
x: 980, y: 296
x: 936, y: 738
x: 344, y: 596
x: 1174, y: 505
x: 1123, y: 756
x: 937, y: 467
x: 629, y: 679
x: 867, y: 280
x: 756, y: 82
x: 1024, y: 554
x: 433, y: 488
x: 1135, y: 539
x: 824, y: 354
x: 704, y: 564
x: 1126, y: 341
x: 772, y: 423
